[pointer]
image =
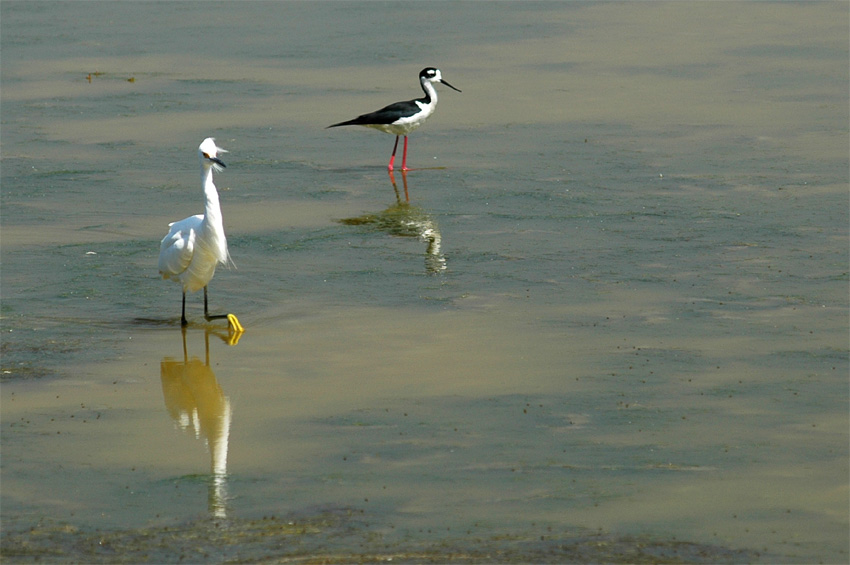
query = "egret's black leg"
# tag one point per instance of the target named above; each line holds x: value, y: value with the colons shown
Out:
x: 233, y: 321
x: 206, y: 310
x: 183, y: 321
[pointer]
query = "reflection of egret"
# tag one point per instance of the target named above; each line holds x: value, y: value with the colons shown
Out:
x: 193, y: 247
x: 402, y: 118
x: 403, y: 220
x: 197, y: 404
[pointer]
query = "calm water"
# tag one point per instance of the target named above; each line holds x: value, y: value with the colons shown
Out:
x: 611, y: 319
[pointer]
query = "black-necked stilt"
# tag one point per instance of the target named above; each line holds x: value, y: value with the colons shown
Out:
x: 402, y: 118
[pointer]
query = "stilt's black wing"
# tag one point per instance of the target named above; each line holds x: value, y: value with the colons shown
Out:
x: 384, y: 116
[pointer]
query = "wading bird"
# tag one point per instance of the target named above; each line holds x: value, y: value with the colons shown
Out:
x: 193, y: 247
x: 402, y: 118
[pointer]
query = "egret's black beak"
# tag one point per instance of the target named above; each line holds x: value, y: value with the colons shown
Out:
x: 450, y: 86
x: 217, y: 161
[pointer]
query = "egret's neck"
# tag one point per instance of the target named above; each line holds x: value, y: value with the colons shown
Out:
x: 212, y: 208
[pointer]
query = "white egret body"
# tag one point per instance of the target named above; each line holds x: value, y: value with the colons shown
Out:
x: 193, y: 247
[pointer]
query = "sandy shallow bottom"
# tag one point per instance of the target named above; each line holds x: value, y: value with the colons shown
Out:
x: 605, y: 319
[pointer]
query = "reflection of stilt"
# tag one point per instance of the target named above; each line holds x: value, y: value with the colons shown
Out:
x: 402, y: 219
x: 404, y: 182
x: 197, y: 404
x: 435, y: 261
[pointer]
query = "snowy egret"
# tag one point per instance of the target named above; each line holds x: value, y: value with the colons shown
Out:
x: 193, y: 247
x: 402, y: 118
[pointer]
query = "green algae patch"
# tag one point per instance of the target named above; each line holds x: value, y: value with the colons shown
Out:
x: 339, y: 535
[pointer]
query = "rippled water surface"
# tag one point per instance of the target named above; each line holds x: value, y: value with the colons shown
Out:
x: 605, y: 318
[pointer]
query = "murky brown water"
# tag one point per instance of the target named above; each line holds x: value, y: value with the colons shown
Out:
x: 610, y: 324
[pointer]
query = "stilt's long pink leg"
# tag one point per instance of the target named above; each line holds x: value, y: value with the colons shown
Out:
x: 392, y: 159
x: 404, y: 180
x: 404, y: 157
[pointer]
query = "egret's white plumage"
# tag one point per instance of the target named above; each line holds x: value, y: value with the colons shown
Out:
x: 193, y: 247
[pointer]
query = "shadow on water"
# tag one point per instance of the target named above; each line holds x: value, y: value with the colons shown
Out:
x: 402, y: 219
x: 198, y: 406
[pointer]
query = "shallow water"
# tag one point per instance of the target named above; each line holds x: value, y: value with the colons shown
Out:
x: 613, y: 309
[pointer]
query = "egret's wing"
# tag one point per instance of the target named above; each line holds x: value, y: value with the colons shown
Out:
x: 178, y: 246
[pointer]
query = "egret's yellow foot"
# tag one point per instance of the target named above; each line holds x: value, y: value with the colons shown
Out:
x: 234, y: 323
x: 234, y: 330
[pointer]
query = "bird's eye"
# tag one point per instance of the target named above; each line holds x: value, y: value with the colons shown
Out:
x: 206, y: 156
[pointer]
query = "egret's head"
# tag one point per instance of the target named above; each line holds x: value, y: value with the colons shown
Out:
x: 208, y: 151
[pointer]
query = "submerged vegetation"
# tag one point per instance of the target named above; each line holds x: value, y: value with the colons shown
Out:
x: 337, y: 536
